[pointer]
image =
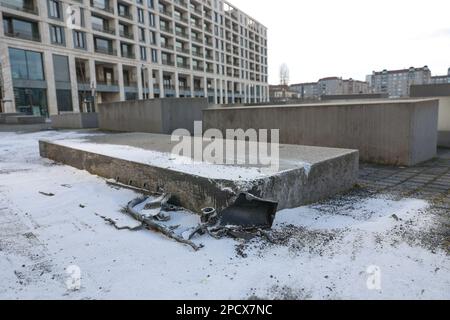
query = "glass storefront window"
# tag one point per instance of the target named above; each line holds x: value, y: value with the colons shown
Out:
x: 31, y: 101
x: 26, y: 65
x: 35, y: 68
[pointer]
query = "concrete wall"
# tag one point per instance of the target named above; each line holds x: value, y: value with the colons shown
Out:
x: 402, y: 132
x: 444, y: 122
x: 75, y: 121
x: 441, y: 92
x: 152, y: 116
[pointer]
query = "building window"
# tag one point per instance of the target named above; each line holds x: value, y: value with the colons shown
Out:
x: 143, y: 53
x: 152, y: 20
x: 154, y: 56
x: 142, y: 34
x: 79, y: 39
x: 64, y: 100
x: 26, y: 65
x: 19, y: 28
x: 152, y: 37
x: 57, y: 35
x: 140, y: 15
x: 31, y: 101
x: 54, y: 9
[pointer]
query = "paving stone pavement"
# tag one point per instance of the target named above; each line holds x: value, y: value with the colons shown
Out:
x: 429, y: 180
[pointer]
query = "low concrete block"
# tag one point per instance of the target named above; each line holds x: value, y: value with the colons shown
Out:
x: 394, y: 132
x: 21, y: 119
x: 75, y: 121
x: 151, y: 116
x: 305, y: 174
x: 3, y: 116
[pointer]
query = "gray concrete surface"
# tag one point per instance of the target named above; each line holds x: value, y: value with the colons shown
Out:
x: 24, y: 128
x: 24, y: 119
x: 331, y: 171
x: 151, y: 116
x: 429, y: 180
x: 3, y: 116
x: 75, y: 121
x: 395, y: 132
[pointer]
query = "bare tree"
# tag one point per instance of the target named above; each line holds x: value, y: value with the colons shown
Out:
x: 284, y: 75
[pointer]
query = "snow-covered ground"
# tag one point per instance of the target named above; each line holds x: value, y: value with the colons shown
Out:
x: 356, y: 246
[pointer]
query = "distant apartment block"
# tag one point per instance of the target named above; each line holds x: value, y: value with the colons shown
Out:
x: 281, y: 93
x: 441, y: 79
x: 127, y: 49
x: 397, y: 83
x: 330, y: 86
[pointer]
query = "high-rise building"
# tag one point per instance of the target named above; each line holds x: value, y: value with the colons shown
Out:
x: 68, y: 55
x: 397, y: 83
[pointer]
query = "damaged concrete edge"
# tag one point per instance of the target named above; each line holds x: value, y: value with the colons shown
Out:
x: 194, y: 193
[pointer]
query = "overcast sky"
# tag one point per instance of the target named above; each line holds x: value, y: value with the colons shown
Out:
x: 351, y: 38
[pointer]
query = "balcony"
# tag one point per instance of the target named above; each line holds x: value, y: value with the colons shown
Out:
x: 165, y: 12
x: 167, y: 62
x: 198, y: 40
x: 196, y: 11
x: 126, y: 15
x: 197, y: 54
x: 181, y: 19
x: 126, y: 34
x: 182, y: 34
x: 182, y: 50
x: 27, y: 8
x: 180, y: 3
x: 24, y: 36
x: 111, y: 52
x: 106, y: 8
x: 128, y: 55
x: 183, y: 65
x: 167, y: 46
x: 103, y: 28
x: 165, y: 28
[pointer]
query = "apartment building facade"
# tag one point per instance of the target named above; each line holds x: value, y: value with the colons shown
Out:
x: 69, y: 55
x: 330, y: 86
x: 397, y: 83
x: 441, y: 79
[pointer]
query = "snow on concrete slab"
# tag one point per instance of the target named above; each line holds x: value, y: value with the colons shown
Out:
x: 322, y: 251
x: 167, y: 160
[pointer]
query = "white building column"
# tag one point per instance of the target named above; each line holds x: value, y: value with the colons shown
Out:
x: 221, y: 91
x: 191, y: 84
x: 162, y: 94
x: 216, y: 100
x: 74, y: 84
x: 8, y: 103
x: 140, y: 82
x: 51, y: 88
x: 226, y: 91
x: 245, y: 93
x: 205, y: 87
x: 233, y: 97
x: 261, y: 95
x: 151, y: 88
x: 120, y: 80
x: 177, y: 85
